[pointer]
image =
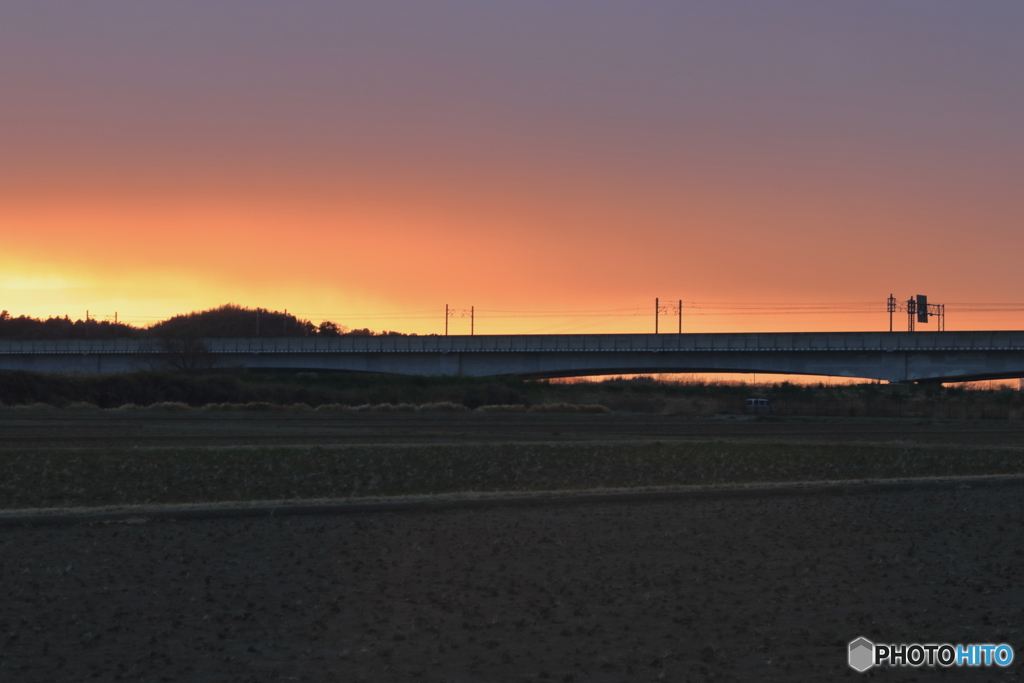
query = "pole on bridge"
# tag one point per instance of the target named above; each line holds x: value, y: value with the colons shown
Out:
x: 472, y: 320
x: 446, y: 320
x: 680, y: 316
x: 656, y: 307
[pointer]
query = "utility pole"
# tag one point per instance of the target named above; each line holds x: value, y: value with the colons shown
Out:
x: 446, y: 320
x: 656, y: 307
x: 680, y: 316
x: 472, y: 321
x: 891, y: 307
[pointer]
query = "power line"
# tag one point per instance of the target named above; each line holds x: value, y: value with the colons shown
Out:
x: 570, y: 319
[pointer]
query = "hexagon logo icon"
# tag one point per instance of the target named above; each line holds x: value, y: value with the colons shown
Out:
x: 862, y: 654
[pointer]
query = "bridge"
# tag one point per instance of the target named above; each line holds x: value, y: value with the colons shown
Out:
x: 889, y: 356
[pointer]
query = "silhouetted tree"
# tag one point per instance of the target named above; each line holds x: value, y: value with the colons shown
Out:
x: 329, y: 329
x: 25, y: 327
x: 187, y: 353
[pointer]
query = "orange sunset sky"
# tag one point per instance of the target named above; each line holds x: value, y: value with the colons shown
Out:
x: 776, y: 165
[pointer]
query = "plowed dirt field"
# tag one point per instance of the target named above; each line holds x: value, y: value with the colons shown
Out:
x: 745, y: 589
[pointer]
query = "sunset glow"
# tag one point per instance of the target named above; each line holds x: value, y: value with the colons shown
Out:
x: 371, y: 163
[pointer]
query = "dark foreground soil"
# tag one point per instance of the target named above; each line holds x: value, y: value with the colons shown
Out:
x: 745, y: 589
x: 36, y: 429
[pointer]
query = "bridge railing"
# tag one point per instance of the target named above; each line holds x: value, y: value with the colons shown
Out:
x: 727, y: 342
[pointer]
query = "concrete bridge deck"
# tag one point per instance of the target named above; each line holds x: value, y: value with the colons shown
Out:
x: 890, y: 356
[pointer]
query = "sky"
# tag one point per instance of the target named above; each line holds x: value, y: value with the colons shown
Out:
x: 556, y: 165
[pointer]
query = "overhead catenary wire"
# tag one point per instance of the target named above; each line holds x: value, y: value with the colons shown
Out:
x: 704, y: 308
x: 564, y: 319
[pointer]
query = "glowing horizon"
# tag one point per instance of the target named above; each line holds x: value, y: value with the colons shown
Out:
x: 698, y: 317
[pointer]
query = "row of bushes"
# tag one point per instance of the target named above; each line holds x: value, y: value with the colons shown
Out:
x: 200, y: 389
x: 633, y: 395
x: 439, y: 407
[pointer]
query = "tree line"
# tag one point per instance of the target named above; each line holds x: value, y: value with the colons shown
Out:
x: 238, y: 387
x: 229, y: 320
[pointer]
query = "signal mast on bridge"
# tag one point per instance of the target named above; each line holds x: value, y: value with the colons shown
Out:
x: 918, y: 311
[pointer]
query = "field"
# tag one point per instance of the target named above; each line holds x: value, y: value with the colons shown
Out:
x: 675, y: 549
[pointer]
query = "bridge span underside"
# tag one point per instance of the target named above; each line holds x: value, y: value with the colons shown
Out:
x: 889, y: 356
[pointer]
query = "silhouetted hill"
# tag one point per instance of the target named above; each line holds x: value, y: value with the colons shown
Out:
x: 234, y: 321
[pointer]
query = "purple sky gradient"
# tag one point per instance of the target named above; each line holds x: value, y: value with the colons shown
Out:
x: 794, y: 150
